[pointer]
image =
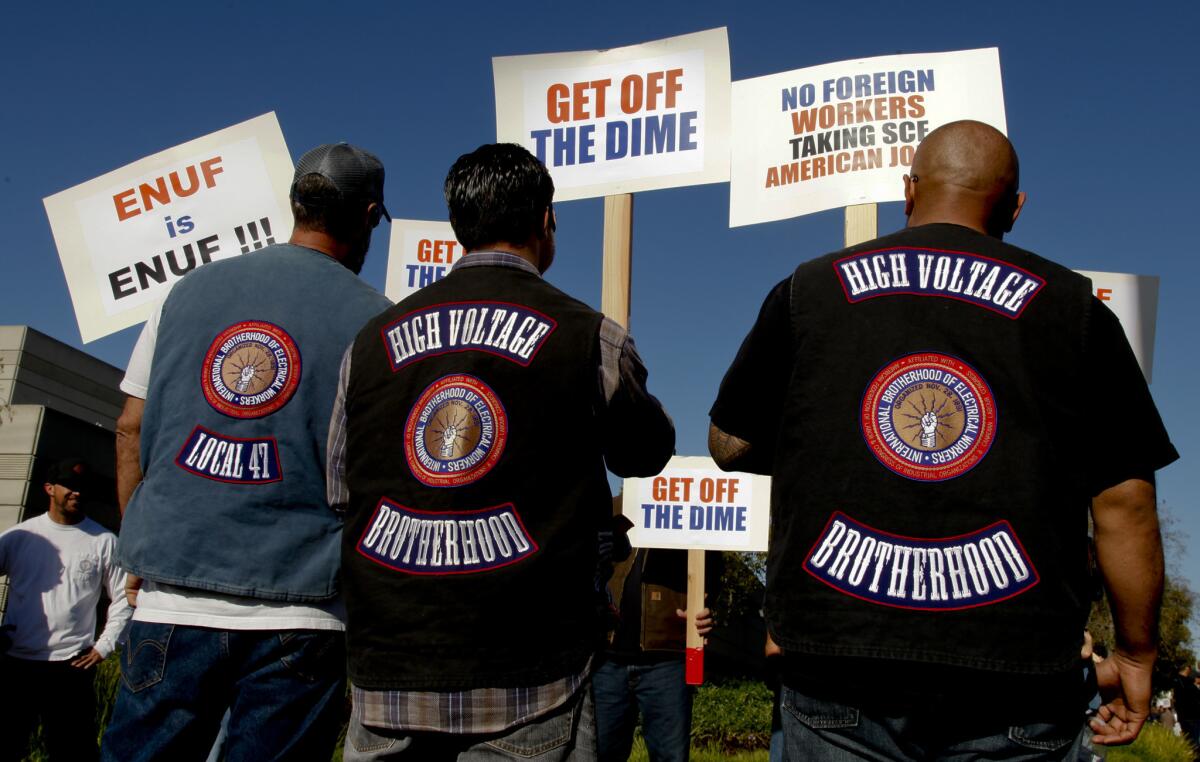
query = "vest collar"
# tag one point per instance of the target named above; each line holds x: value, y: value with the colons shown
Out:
x: 494, y: 259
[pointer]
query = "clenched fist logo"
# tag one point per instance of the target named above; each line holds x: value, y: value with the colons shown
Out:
x: 929, y: 423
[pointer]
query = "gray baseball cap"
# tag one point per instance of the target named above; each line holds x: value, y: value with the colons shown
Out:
x: 354, y: 172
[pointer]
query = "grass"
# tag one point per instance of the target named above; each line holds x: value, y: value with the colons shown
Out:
x: 708, y: 754
x: 1154, y: 744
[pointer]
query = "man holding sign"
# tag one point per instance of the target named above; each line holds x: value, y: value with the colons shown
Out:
x: 470, y: 437
x: 224, y: 436
x: 930, y: 407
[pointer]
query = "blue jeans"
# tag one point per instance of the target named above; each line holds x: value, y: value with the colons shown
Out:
x: 662, y: 695
x: 284, y: 691
x: 566, y: 734
x: 817, y: 730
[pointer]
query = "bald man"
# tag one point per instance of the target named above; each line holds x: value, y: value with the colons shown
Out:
x: 938, y: 410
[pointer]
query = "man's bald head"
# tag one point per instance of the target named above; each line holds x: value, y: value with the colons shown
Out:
x: 962, y: 171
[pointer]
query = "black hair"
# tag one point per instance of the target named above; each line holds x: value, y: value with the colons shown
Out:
x: 498, y: 193
x: 317, y: 205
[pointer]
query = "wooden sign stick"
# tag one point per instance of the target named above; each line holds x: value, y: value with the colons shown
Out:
x: 862, y: 223
x: 694, y: 665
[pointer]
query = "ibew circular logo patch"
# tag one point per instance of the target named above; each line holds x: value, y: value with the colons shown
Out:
x: 251, y: 369
x: 455, y: 432
x: 929, y: 417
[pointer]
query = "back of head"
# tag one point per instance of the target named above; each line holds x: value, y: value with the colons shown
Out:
x: 967, y: 168
x: 332, y: 186
x: 498, y: 193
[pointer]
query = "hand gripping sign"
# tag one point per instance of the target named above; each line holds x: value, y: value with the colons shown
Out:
x: 843, y: 133
x: 126, y: 237
x: 606, y: 122
x: 693, y: 504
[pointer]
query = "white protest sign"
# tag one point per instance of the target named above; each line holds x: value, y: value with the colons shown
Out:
x: 126, y: 237
x: 637, y: 118
x: 844, y: 133
x: 419, y: 253
x: 1134, y: 300
x: 693, y: 504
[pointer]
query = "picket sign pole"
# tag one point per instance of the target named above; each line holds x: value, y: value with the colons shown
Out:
x: 618, y: 257
x: 614, y: 301
x: 694, y: 664
x: 862, y: 223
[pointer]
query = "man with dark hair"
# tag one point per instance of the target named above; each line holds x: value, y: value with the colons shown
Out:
x: 57, y: 565
x: 468, y: 446
x: 223, y: 436
x: 936, y: 441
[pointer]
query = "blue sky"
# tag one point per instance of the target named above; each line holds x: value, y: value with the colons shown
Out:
x: 1099, y: 96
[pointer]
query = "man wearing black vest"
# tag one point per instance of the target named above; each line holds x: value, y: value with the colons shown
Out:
x: 223, y: 436
x: 938, y: 431
x: 468, y: 444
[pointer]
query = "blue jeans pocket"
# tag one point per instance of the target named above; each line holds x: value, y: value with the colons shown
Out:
x: 312, y: 655
x: 818, y: 714
x: 1044, y: 736
x: 364, y: 740
x: 145, y: 660
x: 543, y: 734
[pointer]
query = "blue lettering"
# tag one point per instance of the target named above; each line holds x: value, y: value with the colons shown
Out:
x: 587, y: 144
x: 564, y: 146
x: 618, y: 140
x: 687, y: 131
x: 539, y: 143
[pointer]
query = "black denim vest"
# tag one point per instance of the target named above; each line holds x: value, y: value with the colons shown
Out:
x: 477, y: 486
x: 929, y: 501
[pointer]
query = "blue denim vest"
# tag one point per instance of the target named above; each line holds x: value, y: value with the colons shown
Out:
x: 235, y: 425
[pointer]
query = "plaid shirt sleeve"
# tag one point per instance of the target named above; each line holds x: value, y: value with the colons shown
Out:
x: 336, y: 491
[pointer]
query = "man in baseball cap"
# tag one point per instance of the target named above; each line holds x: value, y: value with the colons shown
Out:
x: 57, y: 564
x: 230, y: 526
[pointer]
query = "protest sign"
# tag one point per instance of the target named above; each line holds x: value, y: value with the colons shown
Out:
x: 844, y: 133
x: 126, y: 237
x: 419, y: 253
x: 642, y: 117
x: 1134, y: 300
x: 693, y: 504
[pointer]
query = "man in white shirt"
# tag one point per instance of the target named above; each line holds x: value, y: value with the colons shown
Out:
x: 57, y: 564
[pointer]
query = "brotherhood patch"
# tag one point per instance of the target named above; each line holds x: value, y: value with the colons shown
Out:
x: 929, y: 417
x: 251, y: 370
x: 455, y: 433
x: 928, y: 574
x: 460, y: 542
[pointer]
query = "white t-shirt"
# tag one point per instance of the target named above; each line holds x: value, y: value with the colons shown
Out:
x: 55, y: 574
x: 169, y: 604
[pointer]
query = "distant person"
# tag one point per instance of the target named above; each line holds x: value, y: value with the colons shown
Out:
x: 930, y: 407
x: 1187, y: 703
x: 642, y: 670
x: 57, y: 565
x: 223, y: 436
x: 473, y: 424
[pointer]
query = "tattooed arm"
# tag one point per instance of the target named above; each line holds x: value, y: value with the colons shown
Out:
x: 730, y: 452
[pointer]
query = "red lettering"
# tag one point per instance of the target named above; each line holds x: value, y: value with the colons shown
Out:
x: 126, y: 205
x: 557, y: 108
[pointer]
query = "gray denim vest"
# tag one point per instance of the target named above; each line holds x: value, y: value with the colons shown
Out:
x: 235, y: 426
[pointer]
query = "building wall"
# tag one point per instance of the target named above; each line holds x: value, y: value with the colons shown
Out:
x: 56, y: 402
